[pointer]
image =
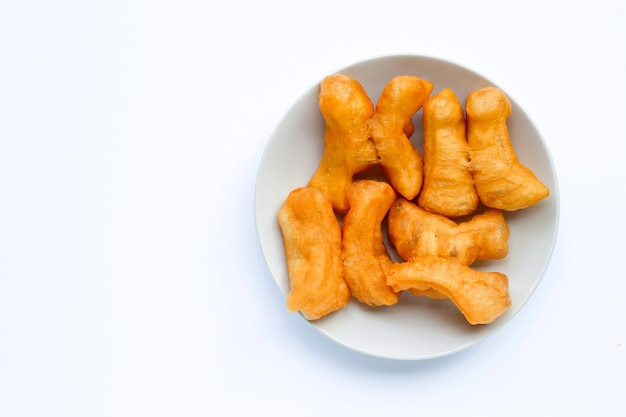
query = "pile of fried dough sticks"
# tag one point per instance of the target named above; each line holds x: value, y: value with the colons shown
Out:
x: 332, y: 226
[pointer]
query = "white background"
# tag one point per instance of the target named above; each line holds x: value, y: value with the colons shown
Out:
x: 131, y: 279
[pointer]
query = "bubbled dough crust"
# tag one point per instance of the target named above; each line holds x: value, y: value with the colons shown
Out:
x: 365, y: 258
x: 500, y: 179
x: 348, y: 148
x: 312, y: 238
x: 448, y: 187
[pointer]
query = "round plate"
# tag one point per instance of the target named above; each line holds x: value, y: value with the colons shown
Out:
x: 416, y: 327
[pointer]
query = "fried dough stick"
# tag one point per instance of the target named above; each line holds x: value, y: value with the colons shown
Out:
x: 348, y: 148
x: 416, y: 233
x: 391, y: 127
x: 500, y: 179
x: 312, y: 238
x: 448, y: 187
x: 365, y: 258
x: 480, y: 296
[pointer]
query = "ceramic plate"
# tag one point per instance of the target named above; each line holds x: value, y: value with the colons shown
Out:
x: 416, y: 327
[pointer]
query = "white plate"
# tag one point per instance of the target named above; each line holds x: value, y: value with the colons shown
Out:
x: 415, y: 328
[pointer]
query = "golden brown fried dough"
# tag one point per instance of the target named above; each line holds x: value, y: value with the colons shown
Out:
x: 348, y: 148
x: 312, y: 238
x: 430, y: 293
x: 416, y: 233
x: 500, y: 179
x: 365, y: 258
x: 480, y: 296
x: 448, y: 187
x: 391, y: 127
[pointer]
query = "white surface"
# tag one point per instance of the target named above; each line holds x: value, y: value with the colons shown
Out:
x: 131, y: 280
x: 413, y: 328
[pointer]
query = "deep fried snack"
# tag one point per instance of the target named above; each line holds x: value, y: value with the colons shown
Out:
x: 365, y: 257
x: 416, y: 233
x: 448, y: 187
x: 500, y: 179
x: 480, y: 296
x: 429, y: 292
x: 312, y: 238
x: 391, y: 127
x: 348, y: 148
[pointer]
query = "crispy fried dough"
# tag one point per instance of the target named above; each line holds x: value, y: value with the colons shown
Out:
x: 312, y: 238
x: 365, y: 258
x: 500, y: 179
x: 480, y: 296
x: 391, y: 127
x: 348, y: 148
x: 416, y: 233
x: 448, y: 187
x: 430, y: 293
